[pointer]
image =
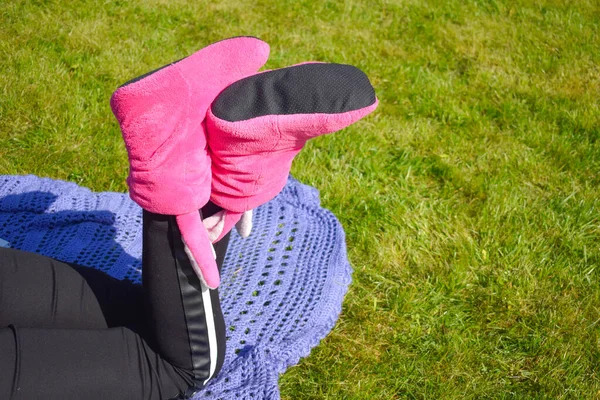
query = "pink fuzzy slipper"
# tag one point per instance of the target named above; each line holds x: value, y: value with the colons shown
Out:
x: 162, y: 115
x: 258, y: 124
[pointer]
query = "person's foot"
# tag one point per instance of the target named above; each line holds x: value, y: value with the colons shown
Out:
x: 161, y: 115
x: 257, y: 125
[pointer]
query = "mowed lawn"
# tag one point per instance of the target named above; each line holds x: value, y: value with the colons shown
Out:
x: 469, y: 198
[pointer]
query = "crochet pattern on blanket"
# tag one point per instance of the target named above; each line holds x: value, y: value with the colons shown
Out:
x: 281, y: 288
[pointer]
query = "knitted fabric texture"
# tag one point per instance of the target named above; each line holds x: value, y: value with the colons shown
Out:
x: 281, y: 288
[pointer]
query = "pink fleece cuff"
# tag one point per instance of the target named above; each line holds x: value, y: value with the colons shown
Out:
x: 251, y: 159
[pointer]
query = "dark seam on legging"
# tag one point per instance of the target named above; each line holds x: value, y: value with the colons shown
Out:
x: 17, y: 362
x: 54, y: 304
x: 82, y: 296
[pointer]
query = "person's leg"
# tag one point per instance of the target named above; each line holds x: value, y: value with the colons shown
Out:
x: 40, y: 292
x: 186, y: 333
x: 55, y: 364
x: 54, y: 341
x: 187, y: 328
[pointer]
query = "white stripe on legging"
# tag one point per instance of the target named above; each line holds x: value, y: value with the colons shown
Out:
x: 210, y: 326
x: 208, y: 312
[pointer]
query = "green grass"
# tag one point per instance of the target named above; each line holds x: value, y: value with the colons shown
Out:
x: 469, y: 198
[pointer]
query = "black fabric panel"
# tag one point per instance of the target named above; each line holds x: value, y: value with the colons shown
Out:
x: 194, y: 309
x: 300, y: 89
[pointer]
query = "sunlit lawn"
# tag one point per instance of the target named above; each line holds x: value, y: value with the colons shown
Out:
x: 469, y: 199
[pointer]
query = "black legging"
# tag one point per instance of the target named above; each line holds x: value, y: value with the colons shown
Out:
x: 71, y: 332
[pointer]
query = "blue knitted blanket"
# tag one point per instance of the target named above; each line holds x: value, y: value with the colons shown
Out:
x: 282, y: 287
